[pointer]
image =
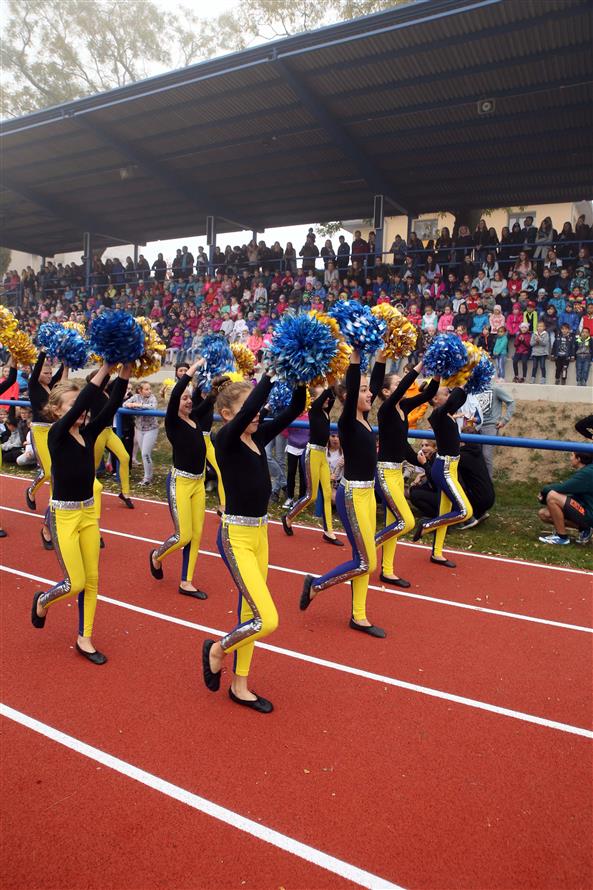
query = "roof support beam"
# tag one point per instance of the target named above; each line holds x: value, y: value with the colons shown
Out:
x: 376, y: 182
x: 205, y: 205
x: 74, y: 216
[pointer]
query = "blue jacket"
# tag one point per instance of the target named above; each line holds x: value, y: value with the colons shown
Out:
x: 571, y: 319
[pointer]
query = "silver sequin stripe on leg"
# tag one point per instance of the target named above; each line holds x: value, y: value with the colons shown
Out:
x: 363, y: 567
x: 242, y: 632
x: 448, y: 461
x: 64, y: 586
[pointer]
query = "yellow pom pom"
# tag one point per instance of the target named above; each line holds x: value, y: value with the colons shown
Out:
x: 168, y: 381
x: 21, y: 347
x: 75, y: 326
x: 474, y: 354
x: 234, y: 376
x: 154, y: 350
x: 401, y: 335
x: 244, y: 359
x: 8, y: 324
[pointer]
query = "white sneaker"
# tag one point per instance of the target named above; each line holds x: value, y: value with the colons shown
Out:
x: 554, y: 539
x: 471, y: 523
x: 287, y: 504
x: 585, y: 536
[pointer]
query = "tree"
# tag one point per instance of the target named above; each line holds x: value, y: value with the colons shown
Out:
x: 55, y: 51
x: 58, y: 50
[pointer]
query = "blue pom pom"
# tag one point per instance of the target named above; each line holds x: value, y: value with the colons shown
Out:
x: 216, y: 352
x: 302, y: 349
x: 445, y: 355
x: 116, y: 337
x: 279, y: 398
x: 49, y: 337
x: 73, y: 350
x: 363, y: 330
x: 480, y: 378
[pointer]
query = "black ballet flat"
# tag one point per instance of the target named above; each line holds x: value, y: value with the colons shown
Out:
x: 447, y: 563
x: 305, y: 600
x: 94, y: 657
x: 261, y: 705
x: 30, y: 501
x: 126, y: 500
x: 197, y: 594
x: 47, y: 545
x: 334, y: 541
x: 3, y: 533
x: 101, y: 544
x: 418, y: 530
x: 371, y: 631
x: 211, y: 678
x: 219, y: 512
x: 37, y: 620
x: 396, y: 582
x: 287, y: 529
x: 156, y: 573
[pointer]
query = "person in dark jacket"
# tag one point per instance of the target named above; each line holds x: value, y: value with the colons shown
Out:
x: 585, y: 426
x: 563, y: 351
x: 343, y: 257
x: 570, y: 503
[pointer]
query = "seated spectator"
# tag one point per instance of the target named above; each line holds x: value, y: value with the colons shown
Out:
x: 475, y: 480
x: 486, y: 339
x: 12, y: 444
x: 27, y: 458
x: 480, y: 321
x: 570, y: 503
x: 335, y: 459
x: 446, y: 320
x: 514, y: 320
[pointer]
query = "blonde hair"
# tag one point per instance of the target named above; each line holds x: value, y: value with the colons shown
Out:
x: 54, y: 403
x: 227, y: 392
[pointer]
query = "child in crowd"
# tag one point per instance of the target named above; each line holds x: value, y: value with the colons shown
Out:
x: 563, y: 351
x: 540, y: 350
x: 500, y: 351
x: 583, y: 356
x: 522, y: 350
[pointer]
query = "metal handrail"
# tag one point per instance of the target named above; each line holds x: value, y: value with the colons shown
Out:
x: 505, y: 441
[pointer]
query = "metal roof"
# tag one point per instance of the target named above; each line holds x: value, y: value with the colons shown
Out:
x: 310, y: 127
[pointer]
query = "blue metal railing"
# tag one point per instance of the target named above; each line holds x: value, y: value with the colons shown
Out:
x: 506, y: 441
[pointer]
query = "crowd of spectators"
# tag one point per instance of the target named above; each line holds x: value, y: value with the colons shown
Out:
x: 526, y: 296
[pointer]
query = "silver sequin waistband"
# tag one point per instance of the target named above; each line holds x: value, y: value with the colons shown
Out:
x: 388, y: 465
x: 253, y: 521
x: 206, y: 434
x: 448, y: 457
x: 175, y: 474
x: 357, y: 484
x: 71, y: 505
x: 39, y: 423
x: 312, y: 447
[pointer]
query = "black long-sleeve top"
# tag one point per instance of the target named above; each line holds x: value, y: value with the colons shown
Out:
x: 585, y: 426
x: 245, y: 472
x: 319, y: 418
x: 446, y: 431
x: 73, y: 464
x: 38, y: 394
x: 189, y: 448
x: 206, y: 416
x: 10, y: 380
x: 393, y: 425
x: 356, y: 438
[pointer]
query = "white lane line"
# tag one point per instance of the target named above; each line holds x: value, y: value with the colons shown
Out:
x: 203, y: 805
x: 517, y: 616
x: 521, y: 563
x: 336, y: 666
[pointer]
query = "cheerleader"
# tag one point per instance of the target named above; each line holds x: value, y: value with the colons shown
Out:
x: 4, y: 386
x: 316, y: 466
x: 73, y: 523
x: 444, y: 473
x: 40, y: 386
x: 394, y: 449
x: 355, y: 501
x: 243, y: 534
x: 185, y: 483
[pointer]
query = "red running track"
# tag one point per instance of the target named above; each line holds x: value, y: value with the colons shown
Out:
x: 424, y: 792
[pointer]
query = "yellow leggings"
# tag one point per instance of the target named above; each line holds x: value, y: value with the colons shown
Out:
x: 39, y: 434
x: 187, y: 503
x: 358, y: 511
x: 454, y: 506
x: 244, y: 549
x: 211, y: 458
x: 399, y: 519
x: 75, y: 534
x: 316, y: 473
x: 110, y: 440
